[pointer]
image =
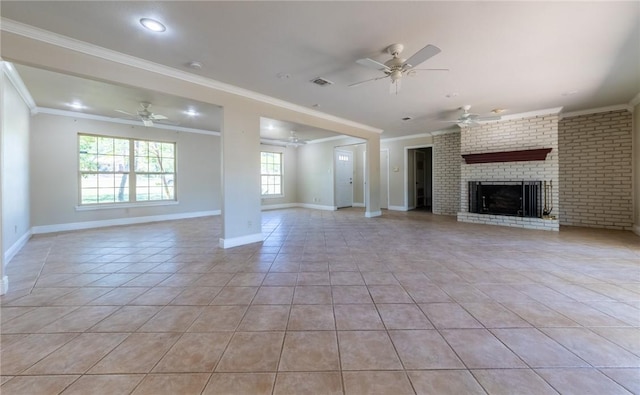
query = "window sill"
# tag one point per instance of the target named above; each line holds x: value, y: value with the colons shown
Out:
x: 272, y: 196
x: 126, y: 205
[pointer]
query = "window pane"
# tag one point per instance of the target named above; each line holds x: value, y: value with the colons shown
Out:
x: 88, y: 144
x: 89, y: 191
x: 121, y: 147
x: 88, y: 162
x: 168, y: 165
x: 105, y: 145
x: 141, y: 148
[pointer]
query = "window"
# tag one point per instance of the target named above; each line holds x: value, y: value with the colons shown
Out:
x: 106, y: 174
x: 271, y: 173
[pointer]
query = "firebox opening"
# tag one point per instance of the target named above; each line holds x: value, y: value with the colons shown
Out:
x: 512, y: 198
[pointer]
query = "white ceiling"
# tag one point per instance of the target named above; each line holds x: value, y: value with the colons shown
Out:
x: 521, y: 56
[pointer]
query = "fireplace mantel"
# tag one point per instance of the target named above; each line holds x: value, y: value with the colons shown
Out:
x: 508, y: 156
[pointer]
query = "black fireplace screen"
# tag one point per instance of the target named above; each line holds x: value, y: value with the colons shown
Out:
x: 515, y: 198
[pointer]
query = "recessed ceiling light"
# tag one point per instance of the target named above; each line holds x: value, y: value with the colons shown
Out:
x: 195, y: 65
x: 76, y: 105
x: 152, y: 25
x: 191, y: 112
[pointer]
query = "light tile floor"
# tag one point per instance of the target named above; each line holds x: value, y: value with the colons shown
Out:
x: 330, y: 303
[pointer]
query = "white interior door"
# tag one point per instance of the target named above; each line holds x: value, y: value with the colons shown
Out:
x: 344, y: 178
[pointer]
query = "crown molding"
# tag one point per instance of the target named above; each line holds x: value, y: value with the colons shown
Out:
x: 409, y: 137
x: 156, y: 125
x: 48, y: 37
x: 15, y: 79
x: 531, y: 114
x: 617, y: 107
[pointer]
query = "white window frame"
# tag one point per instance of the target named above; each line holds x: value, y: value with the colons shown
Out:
x: 280, y: 175
x: 131, y: 174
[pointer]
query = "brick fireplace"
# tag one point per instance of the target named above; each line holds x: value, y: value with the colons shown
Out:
x: 523, y: 150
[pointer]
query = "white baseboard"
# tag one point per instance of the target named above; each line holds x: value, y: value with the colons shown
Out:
x: 279, y: 206
x: 317, y: 207
x: 371, y: 214
x: 4, y: 285
x: 17, y: 246
x: 119, y: 221
x: 240, y: 241
x: 636, y: 229
x: 397, y: 208
x: 358, y: 204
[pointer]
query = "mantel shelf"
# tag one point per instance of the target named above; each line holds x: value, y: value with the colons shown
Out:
x: 508, y: 156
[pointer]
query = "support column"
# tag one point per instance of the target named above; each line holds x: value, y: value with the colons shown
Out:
x: 241, y: 211
x: 372, y: 192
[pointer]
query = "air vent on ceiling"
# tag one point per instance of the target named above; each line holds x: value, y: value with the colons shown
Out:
x: 321, y: 81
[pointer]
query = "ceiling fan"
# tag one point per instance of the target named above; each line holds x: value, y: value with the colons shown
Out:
x: 468, y: 118
x: 396, y: 67
x: 145, y: 115
x: 292, y: 140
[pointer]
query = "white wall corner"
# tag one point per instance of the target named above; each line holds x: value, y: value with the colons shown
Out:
x: 4, y: 285
x: 635, y: 101
x: 242, y: 240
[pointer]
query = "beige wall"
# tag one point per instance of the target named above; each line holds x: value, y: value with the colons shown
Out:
x: 14, y: 175
x: 54, y: 171
x: 398, y: 180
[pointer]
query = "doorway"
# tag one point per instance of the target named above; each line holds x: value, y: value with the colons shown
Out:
x: 420, y: 178
x: 344, y: 178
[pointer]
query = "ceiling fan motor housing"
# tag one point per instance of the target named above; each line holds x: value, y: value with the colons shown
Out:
x: 395, y: 49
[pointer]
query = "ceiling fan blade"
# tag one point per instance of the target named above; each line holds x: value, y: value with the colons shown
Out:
x: 127, y: 113
x: 422, y: 55
x: 372, y: 64
x: 156, y: 117
x: 369, y: 80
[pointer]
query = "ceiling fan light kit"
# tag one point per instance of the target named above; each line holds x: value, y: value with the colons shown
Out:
x: 396, y: 67
x: 145, y: 115
x: 467, y: 118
